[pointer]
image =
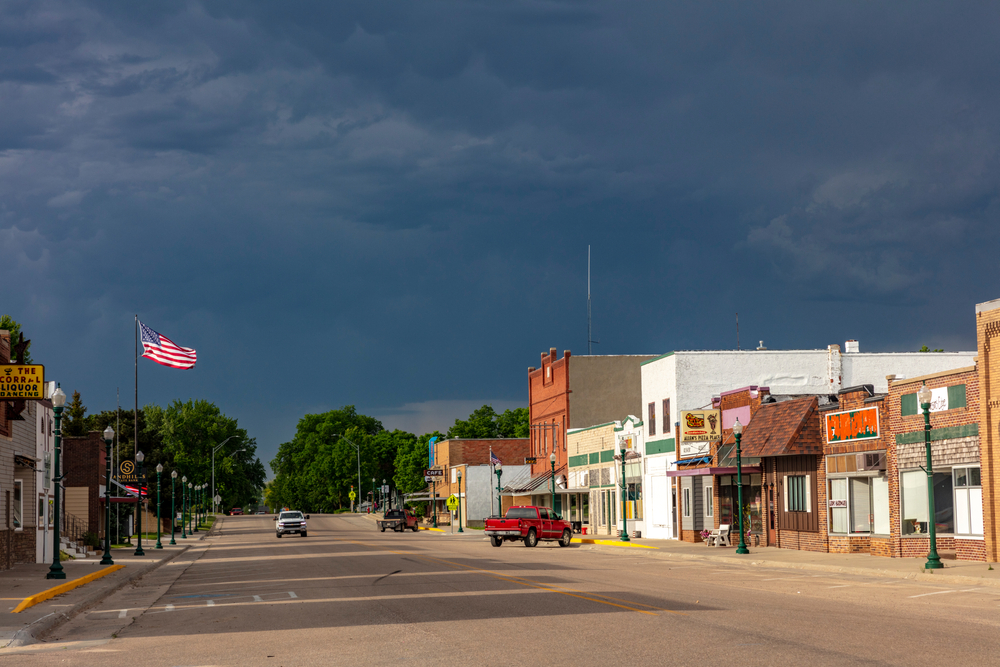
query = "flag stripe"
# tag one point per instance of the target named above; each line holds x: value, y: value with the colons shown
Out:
x: 164, y: 351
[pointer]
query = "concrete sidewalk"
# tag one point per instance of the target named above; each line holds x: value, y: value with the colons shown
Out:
x: 23, y: 581
x: 954, y: 571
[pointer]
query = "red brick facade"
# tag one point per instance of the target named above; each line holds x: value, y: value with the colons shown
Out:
x: 84, y: 466
x: 548, y: 407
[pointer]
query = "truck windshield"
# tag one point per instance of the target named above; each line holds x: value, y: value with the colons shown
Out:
x: 522, y: 513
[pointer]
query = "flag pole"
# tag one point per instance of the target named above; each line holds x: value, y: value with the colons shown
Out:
x: 135, y: 415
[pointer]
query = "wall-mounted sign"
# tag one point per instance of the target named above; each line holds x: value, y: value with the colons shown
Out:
x: 626, y: 442
x: 701, y: 425
x: 834, y: 504
x: 852, y: 425
x: 26, y: 381
x: 431, y: 472
x: 529, y: 460
x: 127, y: 473
x: 690, y: 449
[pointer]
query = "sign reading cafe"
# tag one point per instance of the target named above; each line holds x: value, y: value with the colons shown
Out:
x: 852, y: 425
x: 25, y: 381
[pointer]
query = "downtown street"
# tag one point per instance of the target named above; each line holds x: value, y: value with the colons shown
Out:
x: 348, y: 594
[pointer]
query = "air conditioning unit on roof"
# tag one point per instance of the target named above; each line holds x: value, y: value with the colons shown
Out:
x: 871, y: 461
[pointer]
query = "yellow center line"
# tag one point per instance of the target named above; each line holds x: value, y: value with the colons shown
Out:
x: 529, y: 584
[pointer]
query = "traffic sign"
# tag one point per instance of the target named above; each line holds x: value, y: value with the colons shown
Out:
x: 431, y: 472
x: 352, y: 496
x: 217, y: 499
x: 452, y: 502
x: 385, y: 489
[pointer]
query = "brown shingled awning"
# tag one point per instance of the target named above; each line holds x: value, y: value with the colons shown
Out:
x: 784, y: 429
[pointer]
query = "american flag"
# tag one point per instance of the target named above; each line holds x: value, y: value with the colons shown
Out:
x: 164, y: 351
x: 493, y: 459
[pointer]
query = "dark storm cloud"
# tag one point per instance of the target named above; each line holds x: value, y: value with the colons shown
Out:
x: 403, y: 193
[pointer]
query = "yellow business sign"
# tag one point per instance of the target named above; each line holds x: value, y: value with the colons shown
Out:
x: 22, y: 381
x: 701, y: 425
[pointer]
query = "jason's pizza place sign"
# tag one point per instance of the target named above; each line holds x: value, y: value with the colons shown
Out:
x: 852, y: 425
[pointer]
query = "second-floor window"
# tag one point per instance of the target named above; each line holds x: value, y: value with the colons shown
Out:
x: 652, y: 419
x: 666, y: 415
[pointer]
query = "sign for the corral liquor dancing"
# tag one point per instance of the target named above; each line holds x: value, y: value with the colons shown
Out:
x: 24, y: 381
x: 701, y: 425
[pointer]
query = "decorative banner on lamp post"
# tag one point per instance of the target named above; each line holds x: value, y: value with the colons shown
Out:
x: 24, y: 381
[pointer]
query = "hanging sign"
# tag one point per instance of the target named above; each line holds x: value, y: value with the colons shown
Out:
x: 24, y: 381
x: 852, y: 425
x: 701, y: 425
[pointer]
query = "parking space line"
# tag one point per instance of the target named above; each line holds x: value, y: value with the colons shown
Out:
x: 841, y: 586
x: 256, y: 598
x: 170, y: 607
x: 934, y: 593
x: 210, y: 603
x: 290, y: 593
x: 124, y: 612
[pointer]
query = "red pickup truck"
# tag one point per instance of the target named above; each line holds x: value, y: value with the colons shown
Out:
x: 529, y: 524
x: 398, y: 520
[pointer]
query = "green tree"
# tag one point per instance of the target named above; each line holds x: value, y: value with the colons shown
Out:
x: 7, y: 322
x: 927, y: 349
x: 74, y: 421
x: 412, y: 458
x: 484, y: 422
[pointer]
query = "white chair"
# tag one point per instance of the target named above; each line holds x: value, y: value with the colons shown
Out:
x: 722, y: 540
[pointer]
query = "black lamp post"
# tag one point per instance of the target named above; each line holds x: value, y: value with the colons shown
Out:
x: 139, y: 458
x: 933, y: 560
x: 460, y: 501
x: 184, y: 480
x: 499, y: 490
x: 56, y: 569
x: 109, y: 437
x: 159, y: 469
x: 738, y: 432
x: 624, y: 536
x: 173, y: 509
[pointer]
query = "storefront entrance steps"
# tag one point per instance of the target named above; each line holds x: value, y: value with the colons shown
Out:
x: 954, y: 571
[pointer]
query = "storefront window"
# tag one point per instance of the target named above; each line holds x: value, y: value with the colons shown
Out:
x: 585, y: 506
x: 968, y: 501
x: 634, y: 503
x: 914, y: 502
x: 861, y: 505
x: 752, y: 501
x: 838, y: 506
x: 17, y: 504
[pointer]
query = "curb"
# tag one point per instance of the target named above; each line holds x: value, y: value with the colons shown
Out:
x: 32, y: 600
x: 818, y: 567
x: 48, y: 623
x: 611, y: 543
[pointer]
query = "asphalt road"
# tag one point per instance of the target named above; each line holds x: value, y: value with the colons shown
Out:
x: 348, y: 594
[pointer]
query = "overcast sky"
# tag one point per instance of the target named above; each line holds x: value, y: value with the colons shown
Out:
x: 389, y: 204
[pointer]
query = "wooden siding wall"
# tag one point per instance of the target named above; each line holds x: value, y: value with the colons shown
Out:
x: 797, y: 465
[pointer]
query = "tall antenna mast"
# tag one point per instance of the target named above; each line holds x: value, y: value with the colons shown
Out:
x: 590, y: 339
x: 737, y: 332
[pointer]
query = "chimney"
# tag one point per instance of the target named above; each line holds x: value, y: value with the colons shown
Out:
x: 851, y: 347
x: 761, y: 346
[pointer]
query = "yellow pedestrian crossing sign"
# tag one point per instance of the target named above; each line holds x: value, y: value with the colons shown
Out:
x: 352, y: 495
x: 452, y: 502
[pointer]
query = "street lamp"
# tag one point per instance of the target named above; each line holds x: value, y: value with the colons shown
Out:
x: 552, y: 462
x: 386, y: 502
x: 460, y: 501
x: 738, y: 433
x: 499, y: 490
x: 624, y: 535
x: 933, y: 560
x: 184, y: 480
x: 217, y: 448
x: 109, y: 437
x: 371, y: 509
x: 140, y: 457
x: 196, y: 507
x: 159, y: 469
x: 56, y: 569
x: 173, y: 509
x: 190, y: 506
x: 358, y: 450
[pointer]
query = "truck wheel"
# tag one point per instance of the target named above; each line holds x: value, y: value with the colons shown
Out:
x: 278, y: 535
x: 495, y: 540
x: 532, y: 538
x: 566, y: 538
x: 415, y: 528
x: 303, y: 533
x: 383, y: 529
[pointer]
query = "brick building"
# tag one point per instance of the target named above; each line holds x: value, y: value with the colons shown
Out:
x: 988, y: 366
x: 956, y: 459
x: 470, y: 457
x: 84, y: 467
x: 570, y: 392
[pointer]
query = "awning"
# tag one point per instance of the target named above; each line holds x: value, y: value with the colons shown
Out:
x: 700, y: 459
x: 25, y: 461
x: 696, y: 472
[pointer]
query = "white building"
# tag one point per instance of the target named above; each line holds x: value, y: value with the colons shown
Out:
x: 688, y: 380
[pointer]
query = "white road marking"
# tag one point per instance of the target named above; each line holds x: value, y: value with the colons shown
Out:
x: 841, y: 586
x: 123, y: 613
x: 170, y: 607
x: 210, y: 603
x: 782, y: 578
x: 934, y: 593
x: 292, y: 595
x: 258, y: 598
